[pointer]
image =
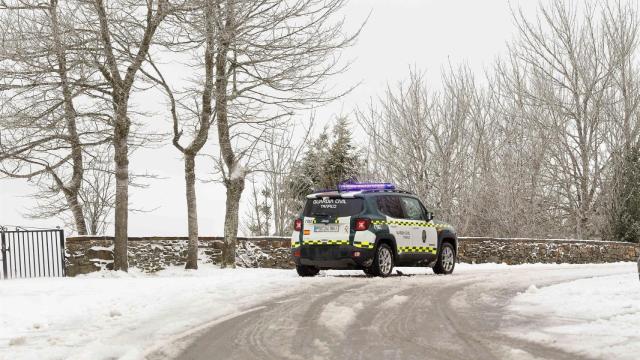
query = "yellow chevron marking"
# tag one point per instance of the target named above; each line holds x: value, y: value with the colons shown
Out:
x: 409, y: 223
x: 327, y: 242
x: 417, y: 249
x: 363, y: 244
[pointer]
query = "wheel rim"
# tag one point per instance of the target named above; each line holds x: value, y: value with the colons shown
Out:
x: 384, y: 260
x: 447, y: 259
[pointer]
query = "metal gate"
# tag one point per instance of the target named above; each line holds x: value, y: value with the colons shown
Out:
x: 31, y: 253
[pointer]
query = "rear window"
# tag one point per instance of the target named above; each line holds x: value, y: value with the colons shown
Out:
x: 390, y: 205
x: 333, y: 207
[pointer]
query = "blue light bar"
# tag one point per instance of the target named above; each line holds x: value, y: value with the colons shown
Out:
x: 365, y: 186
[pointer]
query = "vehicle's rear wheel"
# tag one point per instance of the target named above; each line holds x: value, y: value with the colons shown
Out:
x: 383, y: 261
x: 446, y: 260
x: 306, y: 271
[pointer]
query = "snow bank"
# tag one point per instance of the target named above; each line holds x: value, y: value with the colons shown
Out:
x: 596, y: 317
x: 119, y: 315
x: 337, y: 318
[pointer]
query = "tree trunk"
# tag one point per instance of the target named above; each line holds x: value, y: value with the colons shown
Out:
x: 199, y: 139
x: 278, y: 217
x: 192, y: 211
x: 235, y: 182
x: 120, y: 261
x: 76, y: 211
x: 235, y: 186
x: 121, y: 90
x: 71, y: 191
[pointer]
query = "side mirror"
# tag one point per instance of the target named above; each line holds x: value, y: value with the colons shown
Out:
x: 429, y: 216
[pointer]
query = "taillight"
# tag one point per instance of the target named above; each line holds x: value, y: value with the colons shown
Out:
x: 362, y: 224
x: 297, y: 225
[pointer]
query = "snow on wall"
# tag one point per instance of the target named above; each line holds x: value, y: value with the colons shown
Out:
x: 150, y: 254
x: 523, y: 251
x: 87, y: 254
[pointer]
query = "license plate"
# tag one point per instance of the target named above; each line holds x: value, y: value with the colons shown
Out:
x: 326, y: 228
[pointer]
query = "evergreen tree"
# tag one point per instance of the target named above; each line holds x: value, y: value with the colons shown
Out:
x: 625, y: 204
x: 328, y: 160
x: 342, y: 162
x: 308, y: 173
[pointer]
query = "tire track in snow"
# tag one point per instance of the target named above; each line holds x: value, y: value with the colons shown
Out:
x: 439, y: 317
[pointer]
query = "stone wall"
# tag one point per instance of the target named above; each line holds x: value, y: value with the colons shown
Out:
x: 520, y: 251
x: 86, y: 254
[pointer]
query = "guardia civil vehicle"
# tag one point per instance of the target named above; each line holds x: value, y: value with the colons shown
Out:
x: 372, y: 227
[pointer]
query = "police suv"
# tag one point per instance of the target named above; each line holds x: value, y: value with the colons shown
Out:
x: 372, y: 227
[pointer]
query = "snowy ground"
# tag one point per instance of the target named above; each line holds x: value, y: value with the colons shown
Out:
x: 595, y: 317
x: 127, y: 316
x: 116, y: 315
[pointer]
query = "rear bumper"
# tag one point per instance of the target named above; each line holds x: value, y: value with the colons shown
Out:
x: 334, y: 256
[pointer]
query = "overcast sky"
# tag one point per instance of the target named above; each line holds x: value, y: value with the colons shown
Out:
x: 427, y: 34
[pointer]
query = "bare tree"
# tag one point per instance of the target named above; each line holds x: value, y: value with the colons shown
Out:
x: 258, y: 217
x: 560, y: 101
x: 123, y: 49
x: 519, y: 206
x: 430, y: 131
x: 272, y: 57
x: 622, y: 33
x: 530, y: 153
x: 569, y: 76
x: 96, y: 194
x: 283, y: 150
x: 197, y: 122
x: 621, y: 29
x: 43, y: 79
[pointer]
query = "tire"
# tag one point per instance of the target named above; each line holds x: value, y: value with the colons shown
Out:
x: 382, y: 261
x: 307, y: 271
x: 446, y: 260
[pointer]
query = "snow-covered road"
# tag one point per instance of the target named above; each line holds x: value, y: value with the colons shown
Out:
x: 470, y: 315
x: 482, y: 311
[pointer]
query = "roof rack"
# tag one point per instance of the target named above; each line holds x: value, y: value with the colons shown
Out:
x: 390, y: 191
x: 366, y: 187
